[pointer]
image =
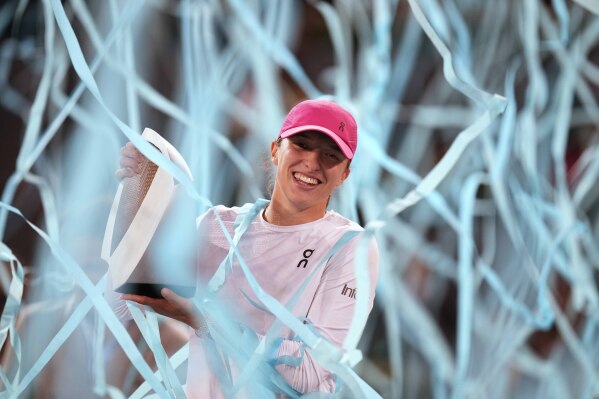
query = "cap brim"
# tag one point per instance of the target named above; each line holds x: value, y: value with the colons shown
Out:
x: 340, y: 143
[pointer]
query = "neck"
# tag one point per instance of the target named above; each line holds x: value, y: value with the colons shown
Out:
x: 280, y: 214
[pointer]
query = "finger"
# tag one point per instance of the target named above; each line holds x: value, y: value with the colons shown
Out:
x: 124, y: 172
x: 134, y: 298
x: 173, y: 298
x: 177, y: 301
x: 131, y: 151
x: 142, y: 299
x: 131, y: 164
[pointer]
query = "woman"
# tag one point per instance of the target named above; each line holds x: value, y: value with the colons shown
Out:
x: 292, y: 244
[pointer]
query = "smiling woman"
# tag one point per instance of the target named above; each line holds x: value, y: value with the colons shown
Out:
x: 298, y: 252
x: 309, y: 167
x: 321, y: 140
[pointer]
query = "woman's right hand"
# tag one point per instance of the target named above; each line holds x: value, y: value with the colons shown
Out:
x: 129, y: 162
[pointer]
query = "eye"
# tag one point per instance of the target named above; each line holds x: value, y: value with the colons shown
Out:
x: 301, y: 144
x: 332, y: 156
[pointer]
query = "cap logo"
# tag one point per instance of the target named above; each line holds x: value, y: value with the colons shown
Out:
x: 341, y: 126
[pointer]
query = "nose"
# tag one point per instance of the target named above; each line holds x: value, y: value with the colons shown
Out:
x: 312, y: 160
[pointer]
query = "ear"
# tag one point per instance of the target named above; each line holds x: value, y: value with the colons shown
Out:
x: 274, y: 153
x: 344, y: 176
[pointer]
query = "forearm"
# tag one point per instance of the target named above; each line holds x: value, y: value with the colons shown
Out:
x: 295, y: 363
x: 290, y: 358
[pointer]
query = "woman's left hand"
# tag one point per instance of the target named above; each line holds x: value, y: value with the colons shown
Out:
x: 170, y: 305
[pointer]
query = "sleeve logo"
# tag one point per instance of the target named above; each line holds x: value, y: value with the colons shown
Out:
x: 349, y: 292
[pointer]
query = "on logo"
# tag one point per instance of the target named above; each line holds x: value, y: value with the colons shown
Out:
x: 341, y: 126
x: 304, y: 262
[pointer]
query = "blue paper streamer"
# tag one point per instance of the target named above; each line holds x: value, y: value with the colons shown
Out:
x: 476, y: 169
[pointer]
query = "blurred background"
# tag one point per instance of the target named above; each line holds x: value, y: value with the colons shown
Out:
x: 476, y: 169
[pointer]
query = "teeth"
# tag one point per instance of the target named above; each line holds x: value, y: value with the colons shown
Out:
x: 305, y: 179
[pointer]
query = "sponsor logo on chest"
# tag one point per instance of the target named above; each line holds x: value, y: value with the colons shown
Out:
x: 304, y: 261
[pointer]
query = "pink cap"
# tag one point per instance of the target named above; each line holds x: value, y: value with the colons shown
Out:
x: 326, y: 117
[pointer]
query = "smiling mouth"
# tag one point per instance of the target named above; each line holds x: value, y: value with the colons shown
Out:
x: 306, y: 179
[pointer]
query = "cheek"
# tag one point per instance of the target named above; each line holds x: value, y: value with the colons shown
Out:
x: 333, y: 179
x: 286, y: 158
x: 277, y: 158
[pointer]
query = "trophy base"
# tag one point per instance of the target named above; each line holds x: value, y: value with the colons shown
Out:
x: 153, y: 290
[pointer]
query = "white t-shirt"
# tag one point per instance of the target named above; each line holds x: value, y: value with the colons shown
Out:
x: 281, y: 259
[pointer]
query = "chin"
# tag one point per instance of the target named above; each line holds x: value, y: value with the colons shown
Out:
x: 306, y: 203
